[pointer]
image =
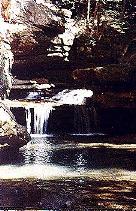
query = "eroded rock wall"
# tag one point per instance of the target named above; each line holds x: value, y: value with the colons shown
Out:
x: 6, y: 61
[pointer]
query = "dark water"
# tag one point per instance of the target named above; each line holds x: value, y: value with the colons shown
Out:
x: 69, y: 173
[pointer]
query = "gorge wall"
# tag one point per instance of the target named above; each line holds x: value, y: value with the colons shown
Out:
x: 56, y: 43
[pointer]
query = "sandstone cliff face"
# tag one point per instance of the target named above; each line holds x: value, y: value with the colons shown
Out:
x: 41, y: 36
x: 39, y: 33
x: 107, y: 75
x: 30, y: 28
x: 26, y: 33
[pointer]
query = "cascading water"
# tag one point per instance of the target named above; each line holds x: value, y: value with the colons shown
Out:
x: 77, y: 97
x: 73, y: 97
x: 37, y: 118
x: 28, y: 119
x: 85, y: 120
x: 81, y: 120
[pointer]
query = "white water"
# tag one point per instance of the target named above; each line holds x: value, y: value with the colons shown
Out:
x: 40, y: 114
x: 37, y: 116
x: 54, y: 172
x: 34, y: 95
x: 73, y: 97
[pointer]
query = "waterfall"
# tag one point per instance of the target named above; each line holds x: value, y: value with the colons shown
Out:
x: 37, y: 115
x: 82, y: 120
x: 41, y: 116
x: 28, y: 119
x: 85, y: 120
x: 37, y: 118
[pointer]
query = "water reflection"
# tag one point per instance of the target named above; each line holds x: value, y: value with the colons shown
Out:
x: 81, y: 162
x: 50, y: 157
x: 57, y: 173
x: 37, y: 152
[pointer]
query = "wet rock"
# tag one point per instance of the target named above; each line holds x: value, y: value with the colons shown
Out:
x: 114, y: 111
x: 107, y: 75
x: 123, y: 99
x: 12, y: 134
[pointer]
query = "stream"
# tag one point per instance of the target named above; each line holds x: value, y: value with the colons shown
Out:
x: 69, y: 164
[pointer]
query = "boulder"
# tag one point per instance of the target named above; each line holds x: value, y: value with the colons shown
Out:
x: 40, y: 36
x: 37, y: 25
x: 31, y: 13
x: 12, y: 135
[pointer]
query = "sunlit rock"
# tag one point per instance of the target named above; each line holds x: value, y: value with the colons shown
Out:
x: 39, y: 34
x: 29, y: 12
x: 12, y: 134
x: 29, y: 27
x: 6, y: 61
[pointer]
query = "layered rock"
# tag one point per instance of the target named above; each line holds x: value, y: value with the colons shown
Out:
x: 30, y: 28
x: 107, y: 75
x: 40, y: 36
x: 121, y: 99
x: 114, y: 96
x: 26, y: 33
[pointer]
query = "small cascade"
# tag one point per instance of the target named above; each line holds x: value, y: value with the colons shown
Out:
x: 28, y: 119
x: 37, y: 118
x: 85, y: 120
x: 41, y: 116
x: 73, y: 97
x: 35, y: 95
x: 71, y: 113
x: 82, y: 121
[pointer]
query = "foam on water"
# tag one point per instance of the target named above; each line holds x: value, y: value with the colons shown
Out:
x: 73, y: 97
x: 48, y: 172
